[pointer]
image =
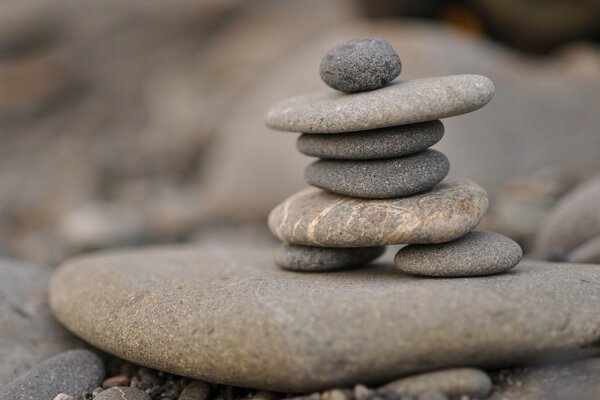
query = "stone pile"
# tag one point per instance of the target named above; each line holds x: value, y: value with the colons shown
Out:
x: 377, y: 182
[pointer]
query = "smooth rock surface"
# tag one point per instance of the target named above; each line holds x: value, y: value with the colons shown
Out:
x: 314, y: 259
x: 475, y: 254
x: 379, y: 179
x: 454, y: 383
x: 73, y: 372
x: 122, y: 393
x: 360, y: 64
x: 573, y: 221
x: 402, y: 102
x: 314, y: 217
x: 372, y: 144
x: 28, y: 332
x: 589, y: 252
x: 194, y: 311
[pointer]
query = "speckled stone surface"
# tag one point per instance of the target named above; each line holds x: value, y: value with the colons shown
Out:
x: 379, y: 179
x: 400, y: 103
x: 589, y: 252
x: 454, y: 383
x: 360, y: 64
x: 372, y: 144
x: 315, y: 259
x: 194, y: 311
x: 314, y: 217
x: 122, y: 393
x: 475, y: 254
x: 72, y: 372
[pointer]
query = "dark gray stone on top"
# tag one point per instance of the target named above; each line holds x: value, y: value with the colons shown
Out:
x: 475, y: 254
x: 390, y: 142
x: 73, y: 372
x: 379, y: 179
x: 361, y: 64
x: 314, y: 259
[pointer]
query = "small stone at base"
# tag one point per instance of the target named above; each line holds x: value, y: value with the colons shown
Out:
x: 314, y: 259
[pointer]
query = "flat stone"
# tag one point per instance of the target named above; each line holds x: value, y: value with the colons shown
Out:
x: 380, y: 179
x: 313, y: 259
x: 454, y: 383
x: 73, y: 372
x: 475, y: 254
x: 122, y: 393
x: 400, y: 103
x: 194, y: 310
x: 28, y: 332
x: 314, y: 217
x: 589, y: 252
x: 390, y: 142
x: 361, y: 64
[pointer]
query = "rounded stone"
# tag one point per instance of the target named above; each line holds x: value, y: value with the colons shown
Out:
x: 72, y: 372
x: 361, y: 64
x: 475, y: 254
x: 314, y: 259
x: 400, y: 103
x: 390, y: 142
x: 122, y: 393
x: 379, y: 179
x: 194, y: 311
x: 455, y: 383
x: 315, y: 217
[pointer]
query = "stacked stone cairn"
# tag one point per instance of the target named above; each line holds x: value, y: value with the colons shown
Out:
x: 376, y: 182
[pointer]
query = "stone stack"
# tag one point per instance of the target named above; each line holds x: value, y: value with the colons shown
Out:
x: 376, y: 182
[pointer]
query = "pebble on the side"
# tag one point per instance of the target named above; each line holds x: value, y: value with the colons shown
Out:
x: 372, y: 144
x: 122, y: 393
x: 379, y: 179
x: 361, y: 64
x: 315, y: 259
x: 475, y: 254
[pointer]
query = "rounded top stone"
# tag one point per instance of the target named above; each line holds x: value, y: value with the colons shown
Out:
x: 361, y: 64
x: 400, y: 103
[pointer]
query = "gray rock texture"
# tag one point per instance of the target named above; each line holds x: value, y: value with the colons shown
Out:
x: 379, y: 179
x: 122, y: 393
x: 454, y: 383
x: 73, y: 372
x: 475, y: 254
x: 402, y: 102
x: 194, y: 311
x: 28, y: 332
x: 573, y: 221
x: 313, y: 259
x: 372, y: 144
x: 361, y: 64
x: 314, y: 217
x: 589, y: 252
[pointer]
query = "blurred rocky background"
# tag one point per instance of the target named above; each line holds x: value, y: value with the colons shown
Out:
x: 135, y: 122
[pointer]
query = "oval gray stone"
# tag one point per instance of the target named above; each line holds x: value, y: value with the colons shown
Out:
x: 361, y: 64
x: 475, y: 254
x: 379, y: 179
x: 72, y: 372
x: 454, y: 383
x: 400, y: 103
x: 314, y: 217
x: 122, y: 393
x: 314, y: 259
x: 193, y: 311
x: 390, y: 142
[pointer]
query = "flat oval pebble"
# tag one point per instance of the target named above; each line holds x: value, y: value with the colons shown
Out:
x: 475, y: 254
x: 225, y: 314
x: 379, y: 179
x: 315, y: 217
x: 313, y: 259
x: 361, y: 64
x: 455, y: 383
x: 399, y: 103
x: 390, y: 142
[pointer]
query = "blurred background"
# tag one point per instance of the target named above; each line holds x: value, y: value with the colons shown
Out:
x: 138, y: 122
